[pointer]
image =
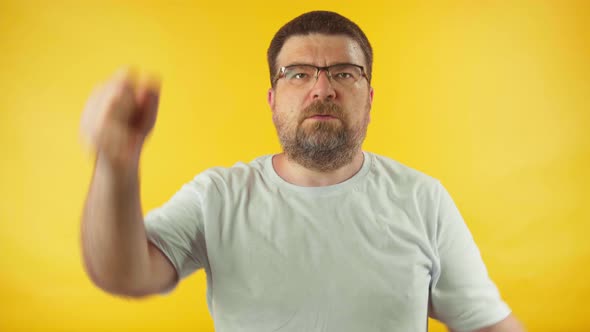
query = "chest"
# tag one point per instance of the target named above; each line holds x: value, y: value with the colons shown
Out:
x: 344, y: 257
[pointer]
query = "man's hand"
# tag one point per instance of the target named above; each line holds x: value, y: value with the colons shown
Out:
x: 118, y: 117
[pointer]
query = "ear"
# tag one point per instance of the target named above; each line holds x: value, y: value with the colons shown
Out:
x: 371, y: 92
x: 270, y: 98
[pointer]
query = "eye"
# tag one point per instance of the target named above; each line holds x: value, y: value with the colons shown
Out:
x: 344, y: 75
x: 299, y: 76
x: 299, y: 73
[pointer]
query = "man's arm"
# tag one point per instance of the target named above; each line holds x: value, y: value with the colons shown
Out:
x: 117, y: 255
x: 509, y: 324
x: 463, y: 296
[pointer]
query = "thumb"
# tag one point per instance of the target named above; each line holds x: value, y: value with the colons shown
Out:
x: 147, y: 99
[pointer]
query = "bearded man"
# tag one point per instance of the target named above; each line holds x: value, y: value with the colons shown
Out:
x: 321, y: 237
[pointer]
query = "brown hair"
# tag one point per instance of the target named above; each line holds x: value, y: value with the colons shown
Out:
x: 323, y: 22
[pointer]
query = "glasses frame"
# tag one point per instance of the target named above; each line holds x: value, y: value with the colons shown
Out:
x: 282, y: 70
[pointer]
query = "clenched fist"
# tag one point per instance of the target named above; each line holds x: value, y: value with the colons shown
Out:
x: 118, y: 117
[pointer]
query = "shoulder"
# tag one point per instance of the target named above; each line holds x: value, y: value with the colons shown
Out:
x: 237, y: 176
x: 401, y: 177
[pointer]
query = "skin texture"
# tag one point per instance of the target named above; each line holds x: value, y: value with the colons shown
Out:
x: 117, y: 256
x: 288, y: 104
x: 509, y: 324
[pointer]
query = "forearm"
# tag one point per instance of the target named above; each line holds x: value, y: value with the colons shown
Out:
x: 114, y: 243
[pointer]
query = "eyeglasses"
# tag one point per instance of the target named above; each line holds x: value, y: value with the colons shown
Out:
x: 345, y: 74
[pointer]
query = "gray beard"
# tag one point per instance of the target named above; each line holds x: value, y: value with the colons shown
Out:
x: 323, y: 146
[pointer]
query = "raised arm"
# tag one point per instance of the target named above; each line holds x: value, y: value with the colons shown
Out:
x: 117, y: 255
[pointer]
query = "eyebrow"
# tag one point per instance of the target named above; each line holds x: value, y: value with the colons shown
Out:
x: 309, y: 64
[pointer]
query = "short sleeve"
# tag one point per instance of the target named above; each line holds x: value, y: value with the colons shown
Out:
x: 176, y: 228
x: 462, y: 294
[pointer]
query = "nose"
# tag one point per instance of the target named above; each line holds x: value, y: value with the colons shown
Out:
x: 323, y: 89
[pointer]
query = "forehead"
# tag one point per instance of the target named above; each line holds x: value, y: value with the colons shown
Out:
x: 320, y: 50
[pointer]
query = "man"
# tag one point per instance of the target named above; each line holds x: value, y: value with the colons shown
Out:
x: 322, y: 237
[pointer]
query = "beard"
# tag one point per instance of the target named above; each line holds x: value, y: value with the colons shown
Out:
x: 321, y: 145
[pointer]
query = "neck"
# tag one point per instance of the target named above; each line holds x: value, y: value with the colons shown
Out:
x: 296, y: 174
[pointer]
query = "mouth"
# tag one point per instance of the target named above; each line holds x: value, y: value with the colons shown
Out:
x: 322, y: 117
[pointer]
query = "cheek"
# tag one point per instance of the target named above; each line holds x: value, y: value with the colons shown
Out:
x: 360, y: 106
x: 284, y: 110
x: 362, y: 116
x: 289, y: 99
x: 284, y: 118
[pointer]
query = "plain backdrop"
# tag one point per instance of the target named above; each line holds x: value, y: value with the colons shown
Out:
x: 490, y: 97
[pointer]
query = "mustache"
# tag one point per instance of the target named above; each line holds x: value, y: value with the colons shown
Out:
x: 322, y: 108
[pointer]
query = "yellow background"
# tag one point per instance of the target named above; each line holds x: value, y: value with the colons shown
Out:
x: 491, y: 97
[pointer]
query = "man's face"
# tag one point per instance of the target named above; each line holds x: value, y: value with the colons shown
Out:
x: 321, y: 125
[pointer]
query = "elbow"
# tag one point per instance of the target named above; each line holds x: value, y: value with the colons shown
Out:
x: 121, y: 289
x: 509, y: 324
x: 125, y: 292
x: 122, y: 286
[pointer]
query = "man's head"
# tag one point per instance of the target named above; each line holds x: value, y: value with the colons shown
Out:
x: 319, y: 22
x: 321, y: 96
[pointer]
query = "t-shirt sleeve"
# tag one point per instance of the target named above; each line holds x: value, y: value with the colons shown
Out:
x: 462, y: 295
x: 176, y: 228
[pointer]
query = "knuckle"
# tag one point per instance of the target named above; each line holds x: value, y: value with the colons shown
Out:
x: 119, y: 96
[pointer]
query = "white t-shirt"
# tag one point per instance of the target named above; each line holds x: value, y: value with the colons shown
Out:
x: 368, y: 254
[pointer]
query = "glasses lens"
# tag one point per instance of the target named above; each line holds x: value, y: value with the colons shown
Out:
x: 303, y: 75
x: 300, y: 74
x: 346, y: 74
